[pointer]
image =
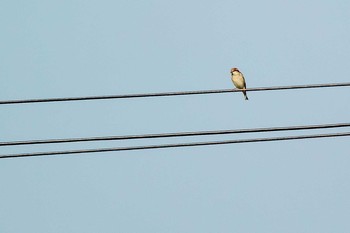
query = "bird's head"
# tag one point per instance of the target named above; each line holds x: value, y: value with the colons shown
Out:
x: 234, y: 69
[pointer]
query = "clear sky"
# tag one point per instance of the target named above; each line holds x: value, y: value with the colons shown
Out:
x: 62, y: 48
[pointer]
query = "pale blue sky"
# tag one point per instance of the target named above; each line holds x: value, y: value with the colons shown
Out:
x: 83, y: 48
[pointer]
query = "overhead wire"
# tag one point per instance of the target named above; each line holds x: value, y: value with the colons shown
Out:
x: 148, y: 147
x: 180, y: 93
x: 180, y: 134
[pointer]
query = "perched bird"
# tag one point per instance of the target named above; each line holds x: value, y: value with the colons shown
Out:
x: 239, y: 81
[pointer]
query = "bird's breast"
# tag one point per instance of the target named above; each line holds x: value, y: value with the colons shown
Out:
x: 238, y: 81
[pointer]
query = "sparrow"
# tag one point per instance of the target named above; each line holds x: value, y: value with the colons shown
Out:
x: 239, y: 81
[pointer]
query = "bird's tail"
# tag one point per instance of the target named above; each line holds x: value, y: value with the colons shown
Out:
x: 245, y: 95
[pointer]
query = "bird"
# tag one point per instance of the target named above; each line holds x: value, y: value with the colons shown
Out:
x: 239, y: 81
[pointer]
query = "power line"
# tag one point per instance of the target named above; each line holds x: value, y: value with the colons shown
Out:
x: 175, y: 145
x: 180, y: 134
x: 104, y: 97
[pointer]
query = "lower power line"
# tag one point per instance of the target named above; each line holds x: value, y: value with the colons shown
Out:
x: 175, y: 145
x: 180, y: 134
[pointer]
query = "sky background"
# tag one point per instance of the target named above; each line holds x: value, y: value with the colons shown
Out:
x: 62, y: 48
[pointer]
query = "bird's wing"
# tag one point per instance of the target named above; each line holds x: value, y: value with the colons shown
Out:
x: 244, y: 82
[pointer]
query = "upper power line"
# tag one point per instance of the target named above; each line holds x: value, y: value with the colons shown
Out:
x: 180, y: 134
x: 192, y: 144
x: 104, y: 97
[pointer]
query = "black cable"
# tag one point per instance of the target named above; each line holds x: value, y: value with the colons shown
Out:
x: 175, y: 145
x: 180, y: 134
x: 170, y: 93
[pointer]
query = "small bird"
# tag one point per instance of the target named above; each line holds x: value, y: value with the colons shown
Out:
x: 239, y: 81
